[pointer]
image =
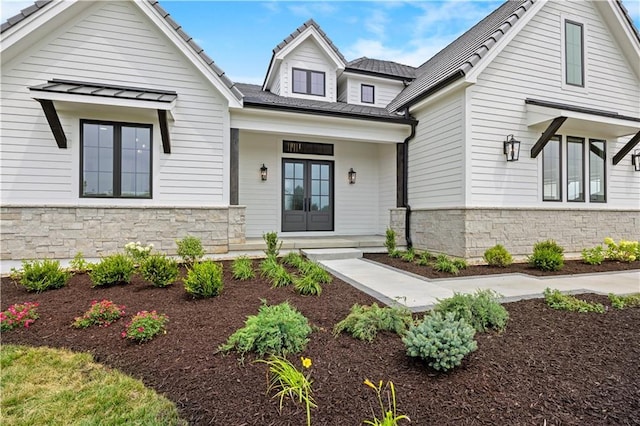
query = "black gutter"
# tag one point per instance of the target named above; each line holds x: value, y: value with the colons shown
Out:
x: 340, y: 114
x: 405, y: 180
x: 379, y: 74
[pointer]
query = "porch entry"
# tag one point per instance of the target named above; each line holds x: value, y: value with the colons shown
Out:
x: 307, y: 195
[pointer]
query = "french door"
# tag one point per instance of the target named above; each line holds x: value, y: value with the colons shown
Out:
x: 307, y: 195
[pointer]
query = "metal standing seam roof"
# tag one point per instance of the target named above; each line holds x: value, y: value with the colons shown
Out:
x: 23, y: 14
x: 300, y: 30
x: 105, y: 90
x: 382, y: 68
x: 464, y: 53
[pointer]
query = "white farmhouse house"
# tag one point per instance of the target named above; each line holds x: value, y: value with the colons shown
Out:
x: 116, y: 126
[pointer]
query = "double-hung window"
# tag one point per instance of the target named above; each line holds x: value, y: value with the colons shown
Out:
x: 574, y: 53
x: 597, y: 170
x: 308, y: 82
x: 115, y: 159
x: 575, y: 169
x: 551, y: 170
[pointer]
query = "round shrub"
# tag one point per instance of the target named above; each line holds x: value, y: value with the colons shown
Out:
x: 159, y: 270
x: 204, y: 279
x: 43, y: 275
x: 441, y: 341
x: 547, y: 259
x: 190, y: 249
x: 114, y: 269
x: 498, y: 256
x: 275, y: 330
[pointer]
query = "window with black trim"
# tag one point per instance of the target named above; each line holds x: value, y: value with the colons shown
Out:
x: 597, y: 171
x: 308, y: 82
x: 574, y: 53
x: 367, y: 94
x: 115, y: 159
x: 575, y: 169
x: 551, y: 172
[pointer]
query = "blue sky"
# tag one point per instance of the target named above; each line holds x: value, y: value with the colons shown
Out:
x: 240, y: 35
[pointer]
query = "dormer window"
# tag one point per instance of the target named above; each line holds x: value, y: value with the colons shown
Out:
x: 367, y: 94
x: 308, y: 82
x: 574, y: 53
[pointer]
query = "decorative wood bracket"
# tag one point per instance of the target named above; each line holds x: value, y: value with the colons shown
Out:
x: 54, y: 122
x: 626, y: 148
x: 547, y: 135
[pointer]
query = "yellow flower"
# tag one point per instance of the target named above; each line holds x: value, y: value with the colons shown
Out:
x: 306, y: 362
x: 371, y: 385
x: 608, y: 241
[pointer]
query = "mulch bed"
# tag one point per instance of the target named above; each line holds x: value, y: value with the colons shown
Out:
x: 562, y: 368
x: 570, y: 267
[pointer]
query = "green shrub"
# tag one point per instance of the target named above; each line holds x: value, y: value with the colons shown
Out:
x: 315, y: 271
x: 293, y: 259
x: 41, y: 275
x: 159, y: 270
x: 623, y: 302
x: 242, y: 268
x: 546, y: 259
x: 190, y: 249
x: 424, y: 259
x: 440, y: 340
x: 548, y: 245
x: 114, y: 269
x: 482, y: 309
x: 498, y: 256
x: 460, y: 263
x: 409, y: 255
x: 364, y: 322
x: 78, y: 263
x: 563, y: 302
x: 275, y: 272
x: 593, y: 256
x: 444, y: 264
x: 102, y: 314
x: 623, y: 251
x: 307, y: 285
x: 204, y: 279
x: 395, y: 254
x: 275, y: 330
x: 273, y: 244
x: 390, y: 240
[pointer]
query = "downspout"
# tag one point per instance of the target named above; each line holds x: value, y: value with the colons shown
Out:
x: 405, y: 180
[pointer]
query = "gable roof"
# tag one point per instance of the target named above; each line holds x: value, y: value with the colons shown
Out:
x: 459, y: 57
x: 41, y: 5
x: 379, y: 67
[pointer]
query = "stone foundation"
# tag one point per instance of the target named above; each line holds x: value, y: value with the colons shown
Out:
x: 59, y: 232
x: 469, y: 232
x: 397, y: 224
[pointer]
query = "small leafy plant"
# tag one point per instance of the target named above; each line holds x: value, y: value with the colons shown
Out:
x: 41, y: 275
x: 364, y: 322
x: 440, y: 340
x: 556, y: 300
x: 390, y: 240
x: 137, y: 251
x: 273, y: 244
x: 547, y: 256
x: 190, y: 249
x: 444, y: 264
x: 242, y: 268
x: 277, y: 330
x: 593, y: 256
x: 389, y: 414
x: 102, y: 314
x: 307, y: 286
x: 482, y: 310
x: 498, y: 256
x: 460, y: 263
x: 409, y: 255
x: 275, y: 272
x: 623, y: 302
x: 78, y: 263
x: 424, y: 259
x: 159, y: 270
x: 293, y: 259
x: 19, y: 315
x: 204, y: 279
x: 623, y: 251
x: 287, y: 380
x: 315, y: 271
x: 144, y: 326
x: 114, y: 269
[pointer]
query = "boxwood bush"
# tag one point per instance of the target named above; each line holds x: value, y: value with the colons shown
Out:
x: 41, y: 275
x: 204, y: 279
x: 115, y: 269
x: 159, y: 270
x: 547, y: 256
x: 498, y: 256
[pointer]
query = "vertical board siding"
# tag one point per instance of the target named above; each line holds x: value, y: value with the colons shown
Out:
x: 530, y: 66
x: 384, y: 92
x: 435, y: 155
x: 113, y: 43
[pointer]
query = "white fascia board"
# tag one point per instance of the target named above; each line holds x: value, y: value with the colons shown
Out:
x: 352, y: 129
x: 271, y: 74
x: 198, y: 62
x: 376, y: 78
x: 102, y: 100
x: 621, y: 31
x: 472, y: 76
x: 442, y: 93
x: 311, y: 32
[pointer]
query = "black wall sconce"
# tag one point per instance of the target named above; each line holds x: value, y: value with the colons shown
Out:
x: 635, y: 160
x: 263, y: 172
x: 512, y: 148
x: 352, y: 176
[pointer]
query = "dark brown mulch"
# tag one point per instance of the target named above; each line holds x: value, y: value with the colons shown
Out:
x: 562, y: 368
x: 570, y: 267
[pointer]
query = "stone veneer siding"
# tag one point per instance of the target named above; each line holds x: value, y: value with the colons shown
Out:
x: 469, y: 232
x: 31, y: 232
x: 397, y: 223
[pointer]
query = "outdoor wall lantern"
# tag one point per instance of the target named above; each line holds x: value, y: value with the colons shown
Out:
x: 263, y: 172
x: 512, y: 148
x: 352, y: 176
x: 635, y: 160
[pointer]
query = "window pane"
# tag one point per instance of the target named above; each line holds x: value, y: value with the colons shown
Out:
x: 575, y: 169
x: 573, y: 53
x: 367, y: 94
x: 317, y: 83
x: 597, y: 162
x: 299, y: 81
x: 551, y: 170
x: 97, y: 159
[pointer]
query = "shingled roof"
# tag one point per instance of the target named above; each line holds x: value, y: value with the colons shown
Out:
x: 23, y: 14
x: 459, y: 57
x: 391, y: 69
x: 300, y: 30
x: 256, y: 97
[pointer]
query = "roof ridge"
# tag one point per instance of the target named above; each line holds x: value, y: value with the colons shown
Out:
x: 309, y: 23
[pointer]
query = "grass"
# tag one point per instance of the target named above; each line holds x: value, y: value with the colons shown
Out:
x: 52, y: 386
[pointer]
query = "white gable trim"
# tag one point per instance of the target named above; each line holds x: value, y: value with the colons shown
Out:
x: 621, y: 31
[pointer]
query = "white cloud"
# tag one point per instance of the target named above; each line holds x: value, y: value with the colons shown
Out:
x: 376, y: 23
x: 414, y: 54
x: 9, y: 8
x: 310, y: 10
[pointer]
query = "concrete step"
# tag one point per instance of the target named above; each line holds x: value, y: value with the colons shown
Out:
x: 332, y: 254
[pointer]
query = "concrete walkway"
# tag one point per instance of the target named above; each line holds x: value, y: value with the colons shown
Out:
x: 392, y: 286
